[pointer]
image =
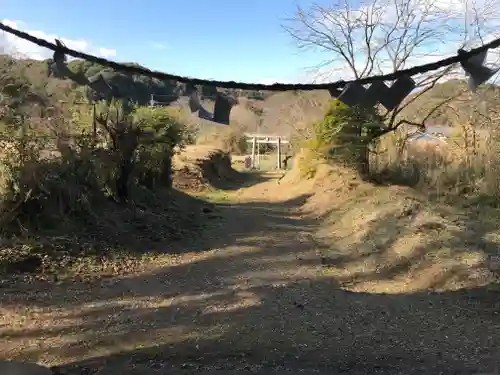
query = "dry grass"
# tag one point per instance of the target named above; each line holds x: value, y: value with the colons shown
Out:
x: 230, y: 139
x: 393, y: 240
x: 434, y: 227
x: 467, y: 164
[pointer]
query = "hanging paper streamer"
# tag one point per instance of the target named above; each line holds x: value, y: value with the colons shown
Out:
x: 399, y: 90
x: 375, y: 91
x: 58, y: 68
x: 354, y: 94
x: 205, y: 115
x: 106, y: 85
x: 102, y: 89
x: 194, y: 101
x: 335, y: 92
x: 476, y: 71
x: 222, y: 107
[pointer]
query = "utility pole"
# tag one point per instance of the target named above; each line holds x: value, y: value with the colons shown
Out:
x: 94, y: 123
x: 259, y: 123
x: 279, y: 153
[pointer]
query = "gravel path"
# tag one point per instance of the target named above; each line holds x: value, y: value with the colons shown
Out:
x: 249, y: 296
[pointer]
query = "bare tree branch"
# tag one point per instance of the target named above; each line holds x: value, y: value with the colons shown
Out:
x: 429, y: 114
x: 388, y: 35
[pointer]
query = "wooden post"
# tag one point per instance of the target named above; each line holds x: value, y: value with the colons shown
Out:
x: 279, y: 153
x: 254, y: 140
x: 258, y: 153
x: 94, y: 124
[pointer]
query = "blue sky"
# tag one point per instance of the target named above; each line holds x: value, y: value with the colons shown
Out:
x: 219, y: 39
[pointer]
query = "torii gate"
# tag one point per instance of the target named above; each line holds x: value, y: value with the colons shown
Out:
x: 257, y: 139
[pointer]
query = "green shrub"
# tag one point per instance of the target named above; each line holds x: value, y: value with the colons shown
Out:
x: 307, y: 162
x: 41, y: 190
x: 44, y: 181
x: 163, y: 135
x: 345, y: 135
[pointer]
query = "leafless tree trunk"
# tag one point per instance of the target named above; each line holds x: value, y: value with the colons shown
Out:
x: 125, y: 139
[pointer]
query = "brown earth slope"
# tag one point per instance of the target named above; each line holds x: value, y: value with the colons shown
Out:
x: 199, y: 167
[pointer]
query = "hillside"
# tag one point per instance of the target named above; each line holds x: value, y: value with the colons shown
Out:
x: 486, y: 99
x: 28, y: 82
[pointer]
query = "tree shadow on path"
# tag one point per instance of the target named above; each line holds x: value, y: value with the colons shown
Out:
x: 253, y: 297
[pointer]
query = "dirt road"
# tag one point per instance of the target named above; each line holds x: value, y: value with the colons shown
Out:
x: 250, y: 294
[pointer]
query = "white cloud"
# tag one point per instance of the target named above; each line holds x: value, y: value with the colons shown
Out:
x: 12, y: 45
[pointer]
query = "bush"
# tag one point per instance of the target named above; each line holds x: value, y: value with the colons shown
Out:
x: 308, y: 161
x: 166, y: 135
x: 346, y: 134
x: 229, y: 139
x: 39, y: 190
x: 143, y: 141
x: 44, y: 180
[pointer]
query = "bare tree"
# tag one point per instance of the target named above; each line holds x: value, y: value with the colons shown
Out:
x: 383, y: 36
